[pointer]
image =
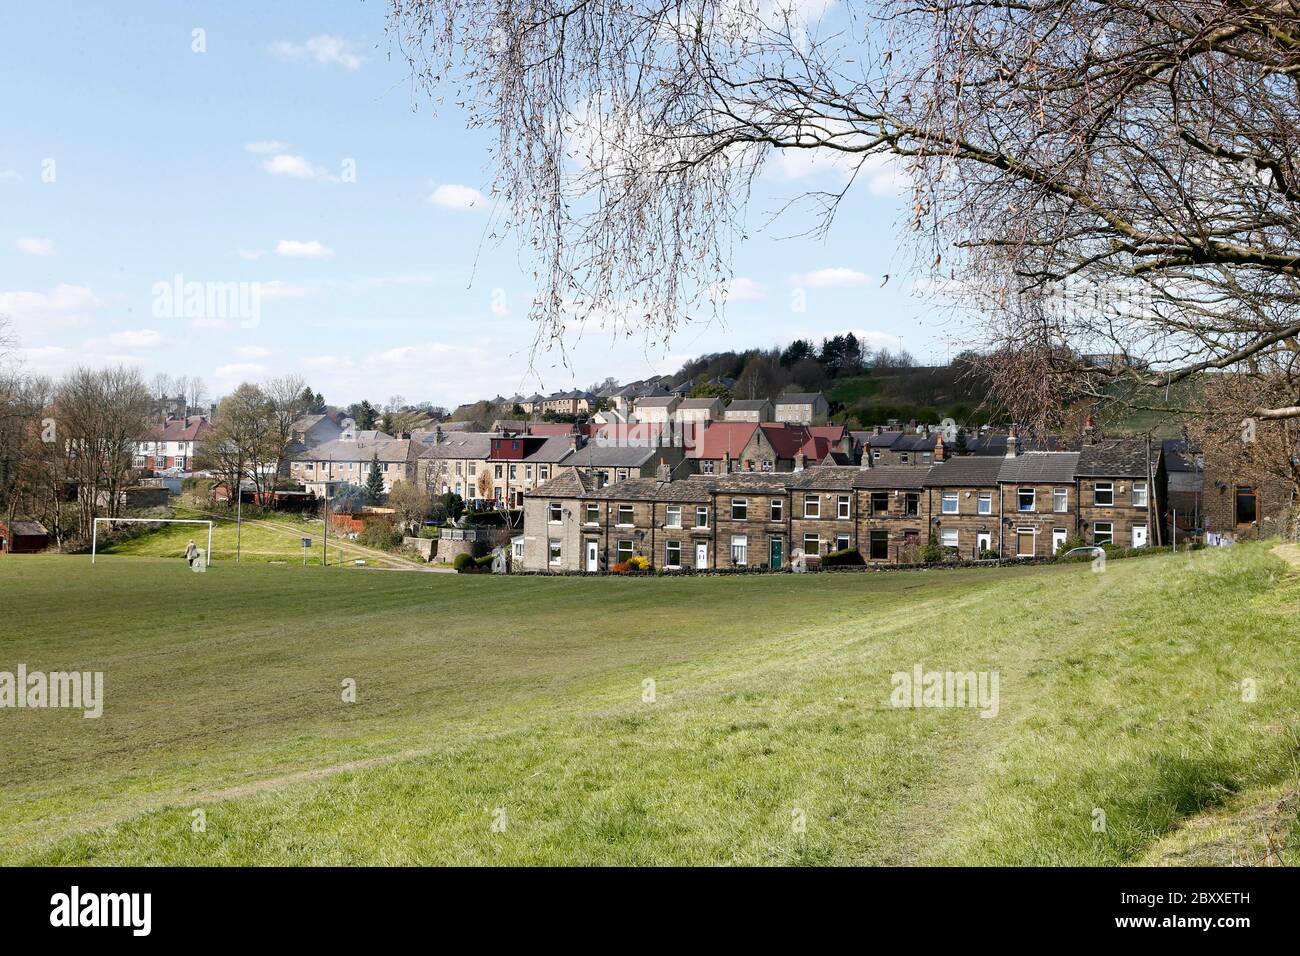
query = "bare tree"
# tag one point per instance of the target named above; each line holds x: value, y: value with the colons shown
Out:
x: 1111, y: 187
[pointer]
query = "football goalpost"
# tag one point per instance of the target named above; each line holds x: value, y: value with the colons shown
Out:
x: 94, y: 531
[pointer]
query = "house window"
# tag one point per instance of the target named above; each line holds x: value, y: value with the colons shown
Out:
x: 458, y: 468
x: 985, y: 503
x: 1139, y: 494
x: 622, y: 474
x: 138, y: 461
x: 1247, y: 505
x: 1060, y: 500
x: 879, y: 502
x: 949, y: 538
x: 1025, y: 499
x: 554, y: 514
x: 500, y: 471
x: 925, y: 457
x: 812, y: 506
x: 949, y: 502
x: 812, y: 544
x: 841, y: 542
x: 625, y: 515
x: 903, y: 458
x: 767, y: 464
x: 673, y: 554
x: 842, y: 507
x: 879, y: 545
x: 1103, y: 532
x: 624, y: 549
x: 739, y: 550
x: 544, y: 472
x: 473, y: 468
x: 514, y: 472
x: 593, y: 514
x: 674, y: 516
x: 553, y: 547
x: 180, y: 462
x: 911, y: 504
x: 875, y: 454
x: 1103, y: 494
x: 528, y: 472
x: 777, y: 510
x: 706, y: 468
x: 739, y: 509
x: 701, y: 516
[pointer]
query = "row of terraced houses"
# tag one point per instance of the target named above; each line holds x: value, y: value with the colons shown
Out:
x: 1022, y: 504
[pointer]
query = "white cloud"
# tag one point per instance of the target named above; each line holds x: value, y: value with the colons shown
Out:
x: 9, y: 174
x: 266, y: 146
x: 253, y: 351
x: 62, y: 305
x: 830, y: 278
x: 241, y: 370
x: 325, y: 49
x: 36, y: 247
x: 126, y: 339
x: 298, y: 168
x: 211, y: 322
x: 297, y: 249
x: 250, y: 255
x: 460, y: 198
x: 742, y: 289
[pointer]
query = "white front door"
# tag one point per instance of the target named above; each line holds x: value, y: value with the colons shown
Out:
x: 1140, y: 536
x: 593, y: 556
x: 983, y: 542
x: 701, y: 555
x: 1058, y: 539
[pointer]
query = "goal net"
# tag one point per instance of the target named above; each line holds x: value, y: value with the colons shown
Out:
x: 199, y: 561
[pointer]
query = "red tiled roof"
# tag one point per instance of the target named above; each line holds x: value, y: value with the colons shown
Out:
x: 789, y: 440
x: 177, y: 430
x: 723, y: 438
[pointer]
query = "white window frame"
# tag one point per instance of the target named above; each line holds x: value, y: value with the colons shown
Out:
x: 1060, y: 501
x: 743, y: 505
x: 843, y: 507
x: 554, y: 513
x: 555, y: 551
x: 812, y: 506
x: 672, y: 516
x: 945, y: 534
x: 740, y: 550
x: 950, y: 497
x: 776, y: 510
x: 842, y: 542
x: 1020, y: 501
x: 619, y: 522
x: 816, y: 540
x: 984, y: 503
x: 1139, y: 486
x: 669, y: 546
x: 592, y: 513
x: 619, y: 549
x: 1033, y: 537
x: 701, y: 509
x: 1097, y: 487
x: 1109, y: 532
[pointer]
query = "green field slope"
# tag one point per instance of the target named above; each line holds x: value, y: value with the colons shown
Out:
x: 510, y: 720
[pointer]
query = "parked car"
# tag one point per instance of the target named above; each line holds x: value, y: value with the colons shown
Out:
x: 1090, y: 551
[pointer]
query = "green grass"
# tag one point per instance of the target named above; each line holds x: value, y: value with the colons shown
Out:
x: 523, y: 696
x: 262, y: 538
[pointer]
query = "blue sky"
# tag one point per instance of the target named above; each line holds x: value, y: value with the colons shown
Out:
x: 128, y: 159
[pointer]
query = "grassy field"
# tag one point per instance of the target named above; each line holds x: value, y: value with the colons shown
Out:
x: 523, y: 702
x: 276, y: 537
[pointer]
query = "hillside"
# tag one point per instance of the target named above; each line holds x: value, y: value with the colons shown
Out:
x: 523, y: 701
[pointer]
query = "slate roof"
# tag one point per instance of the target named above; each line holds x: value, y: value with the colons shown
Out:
x: 826, y: 478
x: 606, y: 456
x: 552, y: 448
x: 363, y: 449
x: 698, y: 402
x: 1116, y: 459
x: 965, y: 471
x: 798, y: 398
x: 1040, y: 466
x: 755, y: 482
x: 656, y: 401
x: 568, y: 484
x: 748, y: 404
x: 652, y: 489
x: 459, y: 445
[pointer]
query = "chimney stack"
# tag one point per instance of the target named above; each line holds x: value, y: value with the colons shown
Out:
x: 940, y: 450
x: 665, y: 472
x: 1012, y: 443
x: 437, y: 434
x: 726, y: 462
x: 801, y: 461
x: 1089, y: 433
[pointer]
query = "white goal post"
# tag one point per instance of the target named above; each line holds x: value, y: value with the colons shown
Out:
x: 94, y: 531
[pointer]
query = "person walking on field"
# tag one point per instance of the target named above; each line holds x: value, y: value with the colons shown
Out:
x: 191, y: 552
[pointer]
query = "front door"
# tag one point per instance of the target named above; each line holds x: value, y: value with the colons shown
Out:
x: 593, y: 556
x: 1058, y: 539
x: 983, y: 542
x: 701, y: 555
x: 1140, y: 536
x: 775, y: 554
